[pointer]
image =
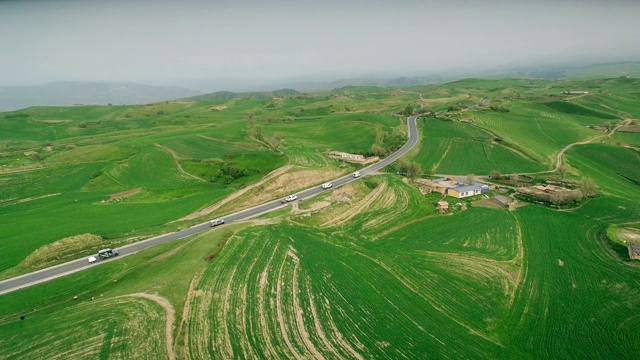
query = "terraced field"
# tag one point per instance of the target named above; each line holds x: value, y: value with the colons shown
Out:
x: 295, y: 294
x: 129, y: 327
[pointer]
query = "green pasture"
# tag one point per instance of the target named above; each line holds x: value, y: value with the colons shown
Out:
x: 450, y: 147
x: 107, y: 319
x: 572, y: 277
x: 537, y: 131
x: 628, y: 138
x: 370, y: 270
x: 616, y: 170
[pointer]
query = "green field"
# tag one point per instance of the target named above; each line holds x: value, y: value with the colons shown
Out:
x: 366, y: 270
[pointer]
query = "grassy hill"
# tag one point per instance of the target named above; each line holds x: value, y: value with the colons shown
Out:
x: 368, y: 270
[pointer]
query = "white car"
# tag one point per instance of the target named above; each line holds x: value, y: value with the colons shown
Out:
x: 356, y: 174
x: 327, y: 185
x: 216, y: 222
x: 92, y: 259
x: 291, y: 198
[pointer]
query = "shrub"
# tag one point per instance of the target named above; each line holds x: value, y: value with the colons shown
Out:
x: 371, y: 183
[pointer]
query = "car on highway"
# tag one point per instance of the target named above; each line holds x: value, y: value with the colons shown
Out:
x: 107, y: 253
x: 92, y: 259
x: 327, y: 185
x: 357, y: 174
x: 216, y: 222
x: 291, y: 198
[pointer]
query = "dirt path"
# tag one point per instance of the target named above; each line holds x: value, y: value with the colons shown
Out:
x: 299, y: 316
x: 185, y: 311
x: 36, y: 198
x: 175, y: 159
x: 559, y: 157
x: 166, y: 305
x: 237, y: 194
x: 318, y: 326
x: 281, y: 316
x: 435, y: 167
x: 519, y: 259
x: 124, y: 194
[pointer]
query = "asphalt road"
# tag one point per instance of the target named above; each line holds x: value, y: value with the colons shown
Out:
x: 70, y: 267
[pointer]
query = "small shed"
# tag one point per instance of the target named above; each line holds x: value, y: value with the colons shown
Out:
x: 443, y: 206
x: 634, y: 251
x: 501, y: 200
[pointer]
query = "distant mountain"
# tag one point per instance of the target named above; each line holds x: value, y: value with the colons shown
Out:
x: 86, y: 93
x: 628, y: 69
x: 228, y: 95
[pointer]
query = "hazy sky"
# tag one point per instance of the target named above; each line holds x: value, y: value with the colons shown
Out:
x: 152, y: 41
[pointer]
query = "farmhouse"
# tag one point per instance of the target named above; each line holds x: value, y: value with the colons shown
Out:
x: 461, y: 187
x: 572, y: 92
x: 468, y: 190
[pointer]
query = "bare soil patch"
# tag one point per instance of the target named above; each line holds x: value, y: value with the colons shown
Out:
x: 53, y: 121
x: 629, y: 235
x: 516, y: 205
x: 486, y: 203
x: 124, y: 194
x: 208, y: 210
x: 281, y: 186
x: 64, y: 249
x: 37, y: 198
x: 318, y: 205
x: 345, y: 193
x: 359, y: 207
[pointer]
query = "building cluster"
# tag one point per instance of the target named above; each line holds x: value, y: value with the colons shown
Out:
x: 458, y: 187
x: 353, y: 158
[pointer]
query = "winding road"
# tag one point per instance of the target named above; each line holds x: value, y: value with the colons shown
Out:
x: 74, y: 266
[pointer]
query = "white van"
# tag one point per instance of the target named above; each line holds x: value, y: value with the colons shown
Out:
x: 356, y: 174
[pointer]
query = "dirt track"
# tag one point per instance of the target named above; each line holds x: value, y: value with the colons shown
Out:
x: 166, y: 305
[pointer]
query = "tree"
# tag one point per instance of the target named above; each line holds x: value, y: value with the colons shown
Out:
x: 415, y: 170
x: 559, y: 198
x: 256, y: 132
x: 276, y: 140
x: 495, y: 175
x: 588, y: 187
x: 515, y: 178
x: 378, y: 150
x: 576, y: 195
x: 562, y: 170
x: 380, y: 135
x: 409, y: 168
x: 408, y: 111
x: 471, y: 178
